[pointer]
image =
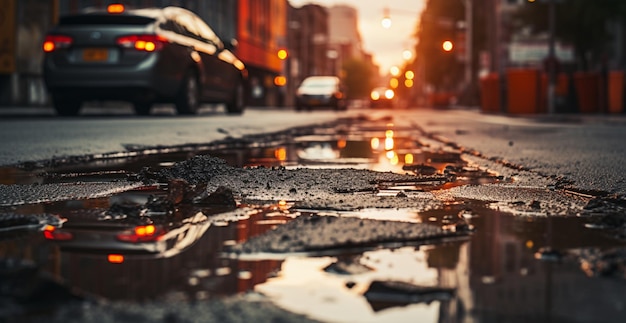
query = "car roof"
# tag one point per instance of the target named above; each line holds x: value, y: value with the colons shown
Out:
x: 153, y: 12
x: 321, y: 79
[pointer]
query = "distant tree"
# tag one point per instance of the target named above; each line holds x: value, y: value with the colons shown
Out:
x: 358, y: 78
x: 581, y: 23
x: 438, y: 23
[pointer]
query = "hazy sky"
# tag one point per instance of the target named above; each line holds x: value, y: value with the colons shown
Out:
x: 386, y: 45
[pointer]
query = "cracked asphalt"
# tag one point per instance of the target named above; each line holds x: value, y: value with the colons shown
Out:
x: 536, y: 168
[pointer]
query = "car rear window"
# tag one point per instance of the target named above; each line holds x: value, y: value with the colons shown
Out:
x: 105, y: 20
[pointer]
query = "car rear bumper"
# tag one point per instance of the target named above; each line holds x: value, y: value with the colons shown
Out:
x: 382, y: 103
x: 111, y: 83
x: 316, y: 101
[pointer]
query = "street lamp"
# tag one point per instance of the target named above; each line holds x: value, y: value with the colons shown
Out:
x: 469, y: 22
x: 282, y: 54
x: 386, y: 21
x: 394, y: 70
x: 551, y: 56
x: 407, y: 54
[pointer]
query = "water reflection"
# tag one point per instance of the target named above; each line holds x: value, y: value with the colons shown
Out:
x: 493, y: 276
x: 385, y: 148
x: 194, y: 270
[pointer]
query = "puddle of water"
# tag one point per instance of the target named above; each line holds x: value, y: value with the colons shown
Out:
x: 493, y: 275
x: 363, y: 147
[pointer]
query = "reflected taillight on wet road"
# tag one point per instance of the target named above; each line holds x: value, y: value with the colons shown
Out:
x: 53, y: 233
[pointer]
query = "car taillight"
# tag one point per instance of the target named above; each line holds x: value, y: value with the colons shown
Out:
x: 54, y: 42
x: 53, y: 233
x: 140, y: 233
x: 148, y: 43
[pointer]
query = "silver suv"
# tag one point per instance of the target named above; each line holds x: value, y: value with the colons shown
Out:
x: 144, y: 56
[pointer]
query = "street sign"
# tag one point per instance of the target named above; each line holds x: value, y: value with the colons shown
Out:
x: 523, y: 53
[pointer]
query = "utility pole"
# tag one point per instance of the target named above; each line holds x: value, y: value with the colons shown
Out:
x: 551, y: 56
x: 469, y: 20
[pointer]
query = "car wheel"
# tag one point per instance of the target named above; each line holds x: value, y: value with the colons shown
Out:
x: 340, y: 105
x: 238, y: 103
x: 187, y: 100
x: 142, y: 108
x: 66, y: 107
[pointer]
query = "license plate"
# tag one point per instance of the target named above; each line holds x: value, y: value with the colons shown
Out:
x: 95, y: 55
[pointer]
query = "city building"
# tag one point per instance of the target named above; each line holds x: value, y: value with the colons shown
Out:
x: 344, y: 37
x: 307, y: 46
x: 261, y: 33
x: 22, y: 27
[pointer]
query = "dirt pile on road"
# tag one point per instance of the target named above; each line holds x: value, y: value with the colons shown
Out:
x: 331, y: 189
x: 315, y: 233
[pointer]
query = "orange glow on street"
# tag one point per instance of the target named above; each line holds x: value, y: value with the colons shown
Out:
x: 408, y: 159
x: 281, y: 154
x: 389, y: 143
x: 375, y: 143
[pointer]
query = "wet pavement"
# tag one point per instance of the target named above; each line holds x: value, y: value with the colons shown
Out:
x: 358, y: 221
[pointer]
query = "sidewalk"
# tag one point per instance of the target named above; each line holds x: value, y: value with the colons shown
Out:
x: 587, y: 149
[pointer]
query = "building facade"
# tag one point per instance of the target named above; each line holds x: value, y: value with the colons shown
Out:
x: 22, y: 27
x: 261, y: 33
x: 344, y: 34
x: 307, y: 45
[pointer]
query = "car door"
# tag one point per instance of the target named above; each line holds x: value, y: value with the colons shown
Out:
x: 219, y: 64
x: 203, y: 53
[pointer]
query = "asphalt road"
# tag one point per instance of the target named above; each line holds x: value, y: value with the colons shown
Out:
x: 36, y: 134
x: 590, y: 150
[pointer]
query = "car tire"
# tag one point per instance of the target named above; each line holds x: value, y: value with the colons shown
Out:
x: 66, y: 107
x: 340, y: 105
x: 142, y: 108
x: 188, y: 98
x: 238, y: 102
